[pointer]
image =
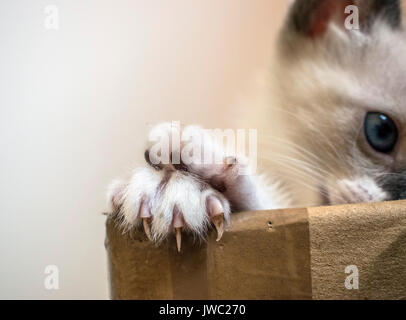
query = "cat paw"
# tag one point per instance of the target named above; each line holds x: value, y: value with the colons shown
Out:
x: 168, y: 201
x: 202, y: 153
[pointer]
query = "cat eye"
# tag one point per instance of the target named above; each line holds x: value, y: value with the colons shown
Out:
x: 381, y: 132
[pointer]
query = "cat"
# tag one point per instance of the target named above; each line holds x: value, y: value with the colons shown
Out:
x: 341, y: 93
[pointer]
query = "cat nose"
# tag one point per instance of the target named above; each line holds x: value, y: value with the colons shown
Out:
x: 395, y: 185
x: 397, y: 192
x: 402, y: 194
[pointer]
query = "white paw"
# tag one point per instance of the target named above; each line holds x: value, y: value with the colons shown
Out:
x: 167, y: 200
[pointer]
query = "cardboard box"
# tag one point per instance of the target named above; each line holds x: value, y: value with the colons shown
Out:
x: 282, y: 254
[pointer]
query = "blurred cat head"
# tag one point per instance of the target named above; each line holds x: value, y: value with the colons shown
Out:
x: 341, y: 79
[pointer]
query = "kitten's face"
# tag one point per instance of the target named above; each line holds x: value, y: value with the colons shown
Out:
x: 345, y: 96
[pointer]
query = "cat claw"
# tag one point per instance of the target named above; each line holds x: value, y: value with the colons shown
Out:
x: 147, y: 228
x: 178, y: 223
x: 145, y: 215
x: 218, y: 222
x: 178, y: 238
x: 216, y: 212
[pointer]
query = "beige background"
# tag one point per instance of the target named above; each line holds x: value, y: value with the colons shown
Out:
x: 75, y: 105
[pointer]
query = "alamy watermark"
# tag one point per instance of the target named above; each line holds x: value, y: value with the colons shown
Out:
x: 352, y: 20
x: 51, y: 21
x: 51, y: 281
x: 352, y: 280
x: 196, y: 146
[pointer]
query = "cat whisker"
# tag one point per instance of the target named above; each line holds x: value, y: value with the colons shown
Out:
x: 303, y: 153
x: 321, y: 173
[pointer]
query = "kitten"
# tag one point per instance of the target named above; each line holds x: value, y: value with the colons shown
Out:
x: 341, y: 94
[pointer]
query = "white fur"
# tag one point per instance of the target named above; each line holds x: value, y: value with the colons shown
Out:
x: 357, y: 190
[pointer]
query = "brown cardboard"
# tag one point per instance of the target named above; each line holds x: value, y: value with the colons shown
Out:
x: 370, y: 236
x: 281, y: 254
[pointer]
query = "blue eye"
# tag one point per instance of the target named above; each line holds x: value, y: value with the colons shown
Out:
x: 381, y: 132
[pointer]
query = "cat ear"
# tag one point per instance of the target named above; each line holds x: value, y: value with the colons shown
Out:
x: 311, y: 17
